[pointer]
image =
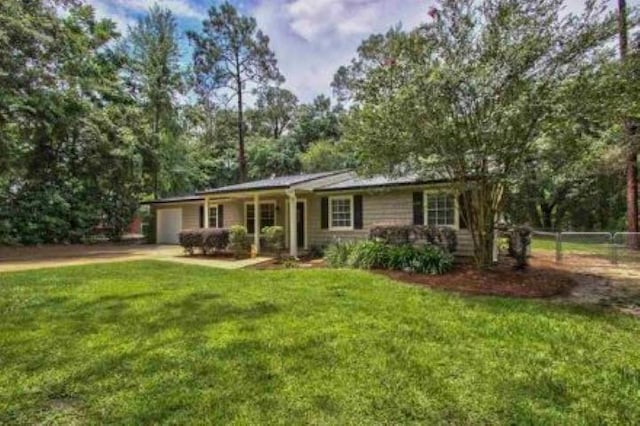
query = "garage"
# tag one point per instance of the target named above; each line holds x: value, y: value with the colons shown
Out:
x: 169, y: 225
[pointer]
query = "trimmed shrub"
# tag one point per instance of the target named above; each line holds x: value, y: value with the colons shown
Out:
x: 190, y: 239
x: 274, y: 237
x: 239, y: 241
x: 368, y: 255
x: 214, y: 239
x: 398, y: 235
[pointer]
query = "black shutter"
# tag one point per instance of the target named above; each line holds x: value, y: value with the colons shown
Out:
x: 418, y: 208
x: 201, y: 216
x: 324, y: 213
x: 357, y: 212
x: 249, y: 219
x: 220, y: 216
x: 461, y: 207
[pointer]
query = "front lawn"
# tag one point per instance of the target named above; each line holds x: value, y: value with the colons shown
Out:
x: 145, y: 342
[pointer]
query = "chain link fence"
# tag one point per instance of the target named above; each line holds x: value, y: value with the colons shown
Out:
x: 588, y: 248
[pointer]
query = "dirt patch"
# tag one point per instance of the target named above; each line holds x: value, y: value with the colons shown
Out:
x: 599, y: 282
x: 501, y: 280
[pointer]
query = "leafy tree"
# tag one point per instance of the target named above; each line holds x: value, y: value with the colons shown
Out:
x: 229, y: 53
x: 327, y: 155
x: 275, y: 110
x: 479, y: 84
x: 272, y: 157
x: 317, y: 121
x: 66, y: 123
x: 155, y: 79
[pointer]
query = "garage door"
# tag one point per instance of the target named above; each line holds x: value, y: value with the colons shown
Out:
x: 169, y: 224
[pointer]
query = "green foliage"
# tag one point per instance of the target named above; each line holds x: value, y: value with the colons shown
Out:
x: 230, y: 52
x: 327, y: 155
x: 239, y: 241
x: 368, y: 255
x: 337, y: 254
x: 469, y: 93
x: 443, y: 236
x: 274, y: 112
x: 269, y: 157
x: 274, y: 237
x: 423, y: 259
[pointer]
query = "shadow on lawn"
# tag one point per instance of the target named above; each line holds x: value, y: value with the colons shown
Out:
x: 151, y: 340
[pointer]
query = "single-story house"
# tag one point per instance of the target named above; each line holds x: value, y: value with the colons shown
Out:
x: 314, y: 209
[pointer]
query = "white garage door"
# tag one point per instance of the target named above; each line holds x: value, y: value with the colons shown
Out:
x: 169, y: 224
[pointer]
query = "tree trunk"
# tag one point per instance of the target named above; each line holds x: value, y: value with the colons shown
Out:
x: 632, y: 153
x: 242, y: 160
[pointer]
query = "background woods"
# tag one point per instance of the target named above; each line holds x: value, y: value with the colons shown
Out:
x: 532, y: 101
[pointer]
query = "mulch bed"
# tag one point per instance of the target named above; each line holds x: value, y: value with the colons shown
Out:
x: 500, y: 280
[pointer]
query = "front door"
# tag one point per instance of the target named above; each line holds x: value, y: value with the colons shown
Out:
x: 300, y: 214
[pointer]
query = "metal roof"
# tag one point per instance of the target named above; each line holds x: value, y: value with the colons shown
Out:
x: 350, y: 181
x: 185, y: 198
x: 272, y: 183
x: 357, y: 182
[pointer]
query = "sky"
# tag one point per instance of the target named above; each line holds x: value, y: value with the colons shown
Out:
x: 311, y: 38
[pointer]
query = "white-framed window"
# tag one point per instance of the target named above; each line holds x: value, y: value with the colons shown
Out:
x: 267, y: 215
x: 341, y: 212
x: 213, y: 216
x: 440, y: 209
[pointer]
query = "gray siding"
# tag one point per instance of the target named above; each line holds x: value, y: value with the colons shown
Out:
x: 384, y: 208
x: 191, y: 216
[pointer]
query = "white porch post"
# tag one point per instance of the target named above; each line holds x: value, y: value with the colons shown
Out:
x: 206, y: 212
x: 293, y: 225
x: 256, y: 222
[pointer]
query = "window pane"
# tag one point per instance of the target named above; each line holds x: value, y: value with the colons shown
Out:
x: 440, y: 210
x: 251, y: 214
x: 341, y: 213
x: 213, y: 217
x: 267, y: 215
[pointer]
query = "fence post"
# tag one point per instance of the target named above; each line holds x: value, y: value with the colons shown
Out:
x: 558, y: 246
x: 614, y: 249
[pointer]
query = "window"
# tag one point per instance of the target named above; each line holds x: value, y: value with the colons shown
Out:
x: 267, y: 215
x: 213, y: 216
x: 341, y: 212
x: 440, y: 209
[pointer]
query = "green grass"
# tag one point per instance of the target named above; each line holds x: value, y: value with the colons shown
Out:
x: 152, y: 342
x: 595, y: 248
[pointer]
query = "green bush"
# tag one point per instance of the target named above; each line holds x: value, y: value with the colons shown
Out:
x: 239, y: 241
x: 274, y: 237
x: 426, y: 259
x: 398, y: 235
x: 368, y: 255
x: 190, y: 239
x: 337, y: 254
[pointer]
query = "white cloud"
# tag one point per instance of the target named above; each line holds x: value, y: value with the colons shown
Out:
x: 312, y: 38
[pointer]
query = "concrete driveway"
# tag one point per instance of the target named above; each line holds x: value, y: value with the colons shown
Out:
x: 27, y: 258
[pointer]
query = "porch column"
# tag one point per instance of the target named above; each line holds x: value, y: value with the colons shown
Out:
x: 256, y: 222
x: 293, y: 225
x: 206, y: 213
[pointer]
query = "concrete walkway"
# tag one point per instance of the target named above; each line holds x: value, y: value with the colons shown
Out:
x: 29, y: 258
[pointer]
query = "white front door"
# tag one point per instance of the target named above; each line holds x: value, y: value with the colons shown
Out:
x: 169, y: 225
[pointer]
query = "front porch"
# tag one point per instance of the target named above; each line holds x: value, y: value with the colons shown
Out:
x: 256, y: 210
